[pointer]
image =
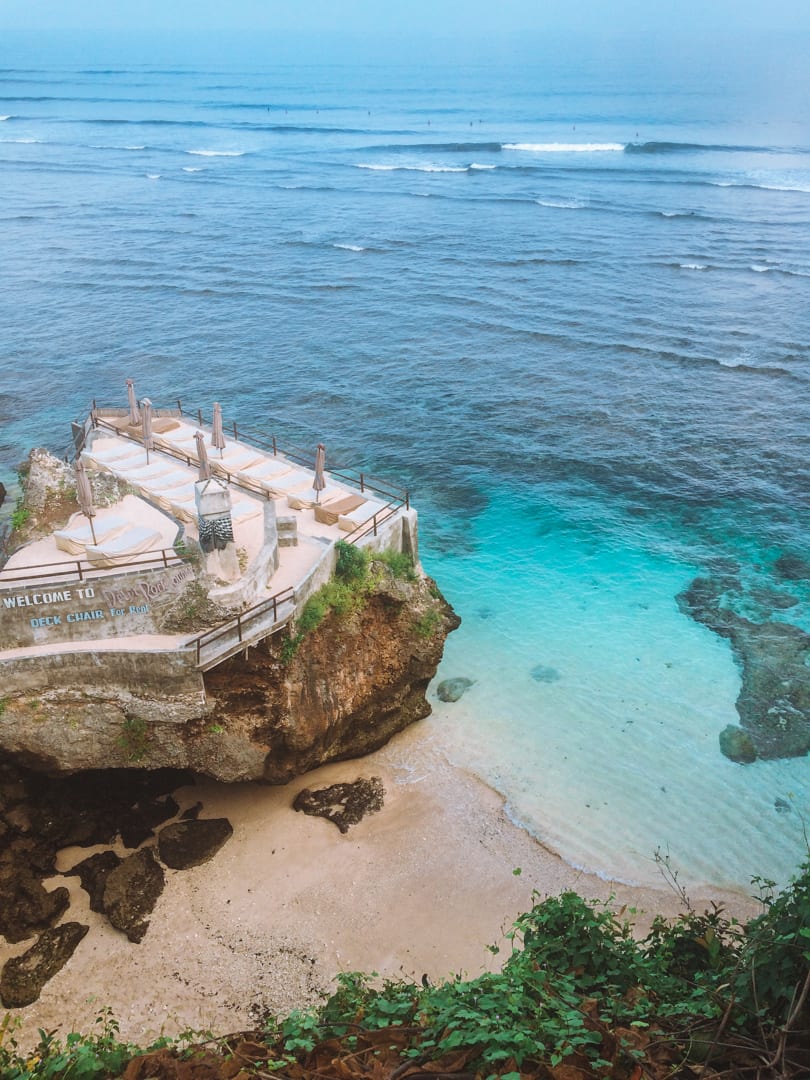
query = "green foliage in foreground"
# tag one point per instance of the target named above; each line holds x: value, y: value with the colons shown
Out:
x: 575, y: 983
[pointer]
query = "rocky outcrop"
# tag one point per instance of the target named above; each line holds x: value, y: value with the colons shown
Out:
x: 131, y: 891
x: 189, y: 843
x: 774, y: 700
x: 343, y: 804
x: 24, y: 976
x: 271, y: 713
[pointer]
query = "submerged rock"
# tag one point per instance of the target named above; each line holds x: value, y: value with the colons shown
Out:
x: 736, y: 744
x: 541, y: 673
x: 791, y: 567
x: 24, y: 976
x: 343, y: 804
x: 452, y: 689
x: 189, y: 843
x: 131, y: 892
x: 774, y: 700
x: 781, y: 806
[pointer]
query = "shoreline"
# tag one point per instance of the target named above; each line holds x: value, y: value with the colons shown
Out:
x: 420, y: 888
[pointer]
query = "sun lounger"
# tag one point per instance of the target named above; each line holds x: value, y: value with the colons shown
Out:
x: 179, y: 495
x: 75, y: 538
x: 145, y: 472
x: 294, y: 480
x: 304, y: 500
x: 328, y: 511
x: 162, y: 425
x: 244, y: 510
x: 159, y: 485
x: 266, y: 470
x: 121, y: 549
x: 108, y: 458
x: 235, y: 458
x: 349, y: 521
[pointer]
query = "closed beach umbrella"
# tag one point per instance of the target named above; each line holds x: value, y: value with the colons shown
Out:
x: 202, y: 454
x: 217, y: 434
x: 146, y: 426
x: 134, y: 415
x: 84, y: 493
x: 319, y: 483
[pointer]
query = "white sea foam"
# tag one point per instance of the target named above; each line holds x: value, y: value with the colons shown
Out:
x: 349, y: 247
x: 564, y: 148
x: 475, y: 165
x: 133, y: 148
x: 217, y: 153
x: 153, y: 176
x: 415, y: 168
x: 761, y: 269
x: 6, y: 117
x: 560, y: 204
x: 693, y: 266
x: 21, y: 140
x: 191, y: 168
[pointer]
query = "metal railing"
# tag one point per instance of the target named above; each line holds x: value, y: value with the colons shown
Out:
x: 241, y: 623
x: 83, y: 570
x: 253, y: 437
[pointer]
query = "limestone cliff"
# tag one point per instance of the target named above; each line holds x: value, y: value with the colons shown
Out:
x: 270, y: 714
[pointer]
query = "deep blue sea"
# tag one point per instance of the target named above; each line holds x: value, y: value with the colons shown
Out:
x: 566, y: 300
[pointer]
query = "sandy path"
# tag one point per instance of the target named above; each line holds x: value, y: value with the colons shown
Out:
x: 420, y: 887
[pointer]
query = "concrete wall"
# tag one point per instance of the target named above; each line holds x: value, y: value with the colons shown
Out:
x: 118, y: 605
x: 157, y: 686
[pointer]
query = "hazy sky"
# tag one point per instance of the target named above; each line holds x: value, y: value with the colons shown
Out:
x: 358, y: 17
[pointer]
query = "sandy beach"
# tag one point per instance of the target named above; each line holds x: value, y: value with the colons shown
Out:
x: 421, y: 887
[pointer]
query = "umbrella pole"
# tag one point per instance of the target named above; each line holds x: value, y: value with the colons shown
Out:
x: 92, y: 530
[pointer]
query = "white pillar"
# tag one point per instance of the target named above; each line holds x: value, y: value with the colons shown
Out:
x: 215, y: 527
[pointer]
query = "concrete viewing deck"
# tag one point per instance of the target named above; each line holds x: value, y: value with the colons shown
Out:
x: 123, y: 590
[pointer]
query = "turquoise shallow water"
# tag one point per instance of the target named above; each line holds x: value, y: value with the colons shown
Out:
x: 562, y: 296
x: 596, y: 704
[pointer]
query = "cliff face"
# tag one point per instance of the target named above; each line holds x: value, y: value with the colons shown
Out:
x: 353, y: 682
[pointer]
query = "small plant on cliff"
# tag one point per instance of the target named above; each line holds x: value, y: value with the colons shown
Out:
x: 352, y: 562
x: 400, y: 563
x: 134, y: 738
x: 20, y: 516
x: 427, y: 625
x: 3, y: 705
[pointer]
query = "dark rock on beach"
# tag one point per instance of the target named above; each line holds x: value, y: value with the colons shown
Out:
x: 26, y: 906
x: 452, y: 689
x: 190, y: 843
x: 24, y: 976
x: 131, y: 892
x: 93, y: 872
x: 343, y: 804
x: 3, y: 493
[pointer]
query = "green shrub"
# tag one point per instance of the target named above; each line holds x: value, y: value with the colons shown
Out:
x: 427, y: 625
x: 400, y: 563
x: 352, y: 562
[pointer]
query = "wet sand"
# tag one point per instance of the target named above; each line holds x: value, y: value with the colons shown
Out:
x: 421, y: 887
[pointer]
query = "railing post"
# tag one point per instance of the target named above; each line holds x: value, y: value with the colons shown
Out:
x: 79, y: 568
x: 362, y: 482
x: 374, y: 519
x: 275, y: 448
x: 180, y: 406
x: 407, y: 500
x: 239, y: 627
x: 199, y: 417
x: 165, y: 560
x: 235, y: 431
x: 198, y: 652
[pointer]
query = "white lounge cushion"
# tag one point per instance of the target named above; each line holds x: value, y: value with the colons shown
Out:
x: 294, y: 480
x: 303, y: 500
x: 75, y: 538
x: 156, y: 467
x: 349, y: 521
x: 244, y: 510
x: 235, y: 458
x: 122, y: 548
x: 266, y: 470
x: 108, y: 459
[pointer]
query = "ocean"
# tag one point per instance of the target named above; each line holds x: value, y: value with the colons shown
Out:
x: 564, y: 300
